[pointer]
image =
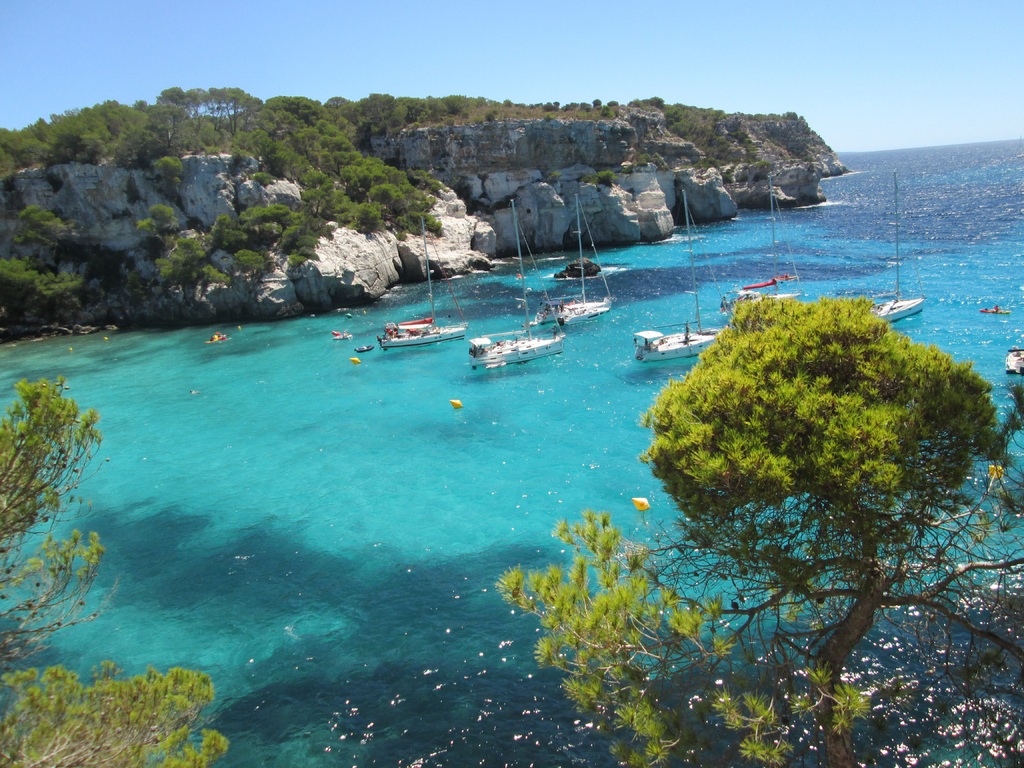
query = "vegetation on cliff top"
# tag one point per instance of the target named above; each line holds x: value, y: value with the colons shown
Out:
x: 293, y: 135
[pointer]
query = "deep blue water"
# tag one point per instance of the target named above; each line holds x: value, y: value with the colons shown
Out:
x: 323, y: 538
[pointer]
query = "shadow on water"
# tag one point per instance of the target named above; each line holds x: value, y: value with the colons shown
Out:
x: 404, y: 662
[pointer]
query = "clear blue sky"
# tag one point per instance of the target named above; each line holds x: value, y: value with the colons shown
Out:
x: 867, y: 75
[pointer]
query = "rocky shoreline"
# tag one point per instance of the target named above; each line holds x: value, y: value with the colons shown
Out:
x: 543, y: 165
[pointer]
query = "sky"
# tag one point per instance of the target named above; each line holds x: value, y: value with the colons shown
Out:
x: 868, y: 75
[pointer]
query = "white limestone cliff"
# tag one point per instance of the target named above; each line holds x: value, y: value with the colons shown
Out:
x: 628, y: 174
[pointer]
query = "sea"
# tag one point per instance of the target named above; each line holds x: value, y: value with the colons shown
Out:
x: 321, y: 530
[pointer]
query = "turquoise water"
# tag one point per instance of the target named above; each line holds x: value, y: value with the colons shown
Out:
x: 323, y: 538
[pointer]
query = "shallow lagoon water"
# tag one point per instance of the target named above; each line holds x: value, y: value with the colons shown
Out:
x: 323, y: 538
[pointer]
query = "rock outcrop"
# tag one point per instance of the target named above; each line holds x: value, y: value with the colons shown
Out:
x: 545, y: 164
x: 629, y: 175
x: 105, y: 203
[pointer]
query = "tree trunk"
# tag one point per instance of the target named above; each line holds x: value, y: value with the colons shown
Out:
x: 833, y: 656
x: 838, y: 744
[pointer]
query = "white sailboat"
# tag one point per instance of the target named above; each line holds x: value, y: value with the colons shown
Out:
x: 896, y: 307
x: 418, y: 333
x: 572, y: 310
x: 754, y: 292
x: 520, y: 346
x: 654, y: 345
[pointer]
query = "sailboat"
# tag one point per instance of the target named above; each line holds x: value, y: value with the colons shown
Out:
x: 520, y: 346
x: 564, y: 311
x: 418, y: 333
x: 897, y: 307
x: 655, y: 345
x: 753, y: 292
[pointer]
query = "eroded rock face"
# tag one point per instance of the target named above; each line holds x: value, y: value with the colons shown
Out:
x: 207, y: 190
x: 544, y: 164
x: 628, y: 176
x: 105, y: 203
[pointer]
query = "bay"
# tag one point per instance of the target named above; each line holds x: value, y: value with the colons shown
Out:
x: 323, y: 537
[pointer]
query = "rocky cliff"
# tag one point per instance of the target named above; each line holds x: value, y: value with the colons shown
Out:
x: 629, y: 175
x: 545, y: 164
x: 104, y: 204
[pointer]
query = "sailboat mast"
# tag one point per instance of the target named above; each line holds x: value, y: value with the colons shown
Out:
x: 426, y: 255
x: 522, y: 271
x: 896, y: 205
x: 579, y: 236
x: 693, y: 268
x: 771, y: 212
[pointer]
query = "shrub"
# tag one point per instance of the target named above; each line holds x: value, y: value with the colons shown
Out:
x: 170, y: 169
x: 37, y: 226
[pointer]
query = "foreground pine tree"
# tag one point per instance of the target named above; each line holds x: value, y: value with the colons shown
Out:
x: 836, y: 484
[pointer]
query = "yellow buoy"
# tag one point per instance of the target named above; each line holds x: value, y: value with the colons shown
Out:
x: 995, y: 471
x: 456, y: 403
x: 641, y: 503
x: 355, y: 360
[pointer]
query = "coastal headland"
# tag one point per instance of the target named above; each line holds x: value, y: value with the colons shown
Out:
x: 629, y: 172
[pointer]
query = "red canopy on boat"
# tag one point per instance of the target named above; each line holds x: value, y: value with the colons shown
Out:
x: 765, y: 284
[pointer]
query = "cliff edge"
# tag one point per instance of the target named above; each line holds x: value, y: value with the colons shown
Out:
x: 628, y: 172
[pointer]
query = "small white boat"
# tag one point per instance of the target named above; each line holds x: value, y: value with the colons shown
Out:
x: 501, y: 349
x: 419, y: 333
x: 568, y: 311
x: 894, y: 306
x: 520, y: 346
x: 1015, y: 361
x: 654, y: 345
x: 753, y: 292
x: 417, y: 336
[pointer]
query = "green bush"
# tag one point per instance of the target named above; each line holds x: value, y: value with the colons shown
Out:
x: 368, y: 218
x: 170, y: 170
x: 250, y: 262
x: 27, y: 288
x: 185, y: 264
x: 162, y: 220
x: 37, y: 226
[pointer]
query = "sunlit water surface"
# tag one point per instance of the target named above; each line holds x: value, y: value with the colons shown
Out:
x: 323, y: 538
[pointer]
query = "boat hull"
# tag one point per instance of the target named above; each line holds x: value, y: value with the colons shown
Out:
x: 421, y: 337
x: 743, y: 296
x: 577, y: 313
x: 649, y: 347
x: 486, y: 353
x: 570, y: 312
x: 897, y: 309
